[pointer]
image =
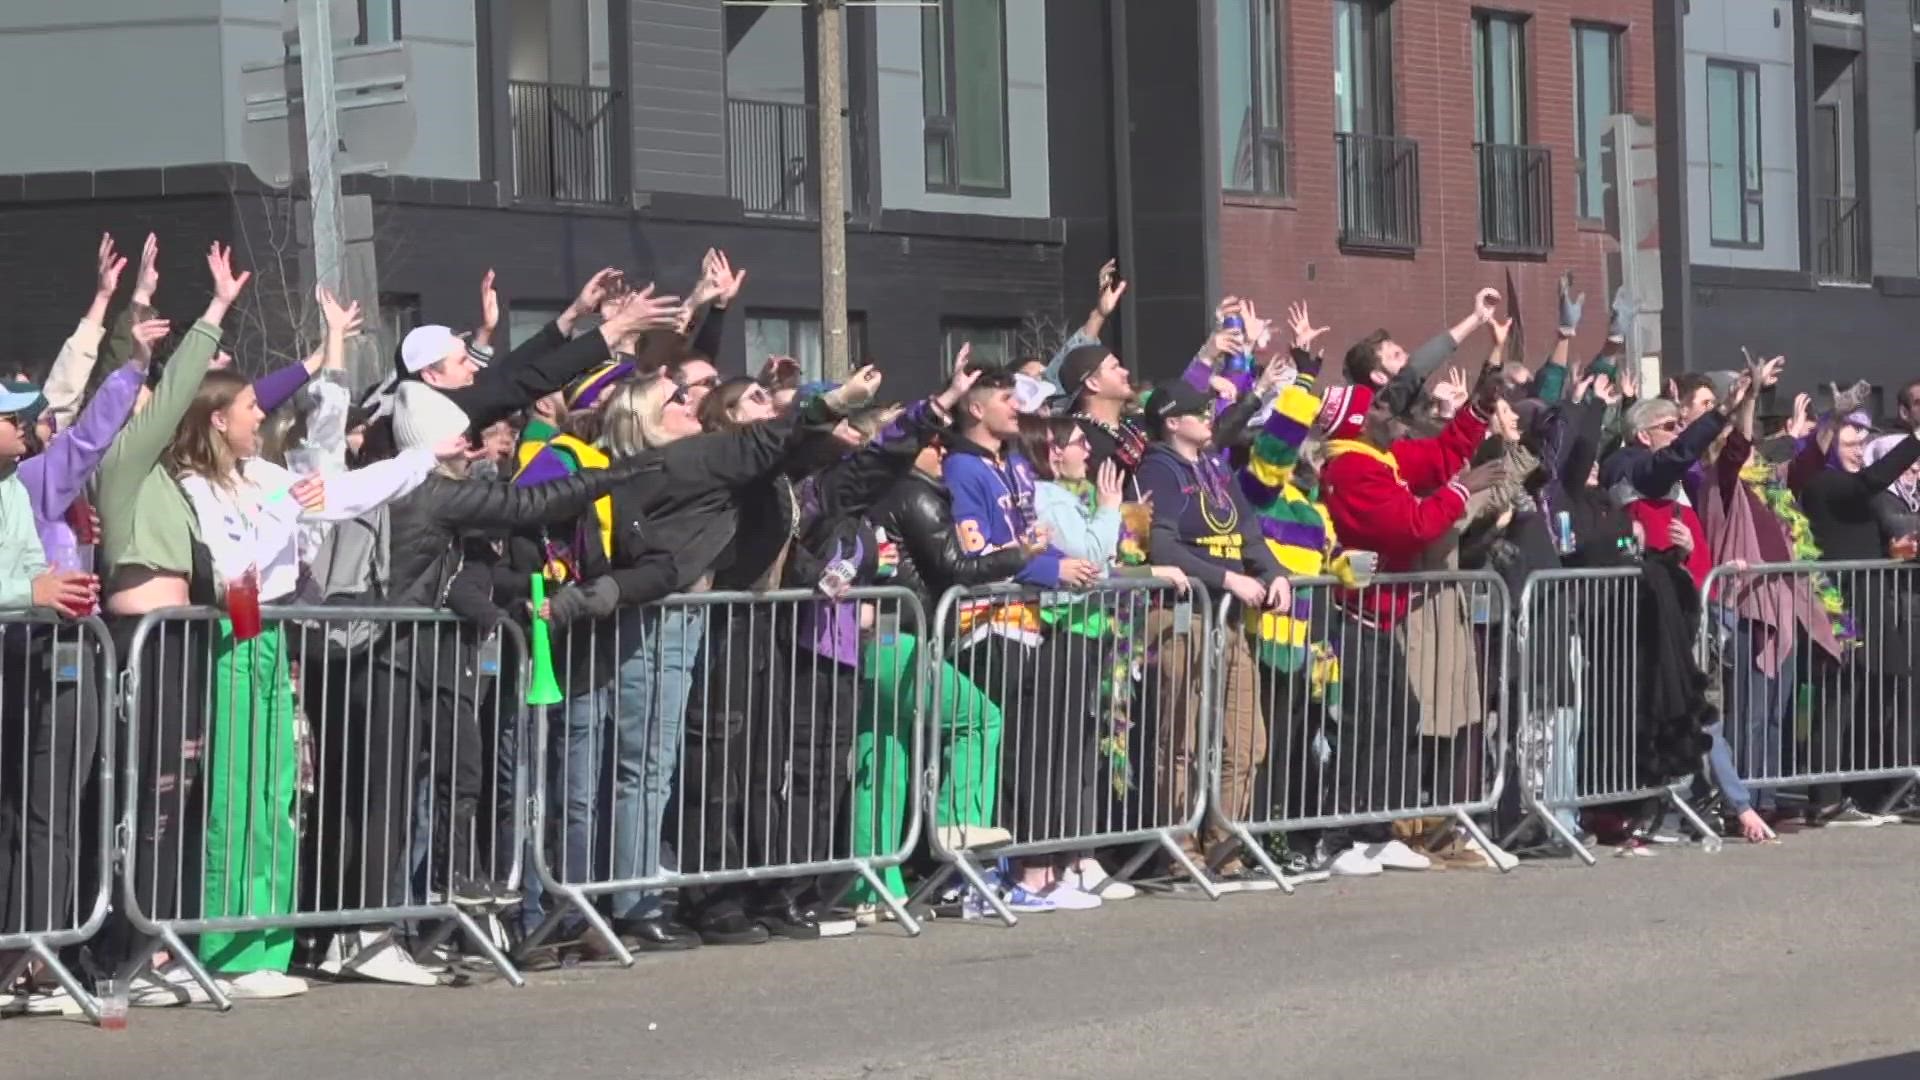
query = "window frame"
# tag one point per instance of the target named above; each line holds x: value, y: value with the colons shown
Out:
x: 945, y: 126
x: 1756, y: 195
x: 1518, y: 26
x: 364, y: 37
x: 856, y: 336
x: 1380, y: 116
x: 1617, y: 103
x: 957, y: 330
x: 1266, y: 63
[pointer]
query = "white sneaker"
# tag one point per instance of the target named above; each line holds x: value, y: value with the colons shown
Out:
x: 972, y: 837
x: 1067, y: 898
x: 1306, y: 877
x: 1087, y: 875
x: 375, y: 955
x: 163, y: 987
x: 1394, y: 855
x: 1354, y: 862
x: 838, y: 927
x: 1493, y: 853
x: 265, y: 985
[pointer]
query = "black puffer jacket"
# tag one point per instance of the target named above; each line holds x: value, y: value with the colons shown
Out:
x: 919, y: 513
x: 428, y: 522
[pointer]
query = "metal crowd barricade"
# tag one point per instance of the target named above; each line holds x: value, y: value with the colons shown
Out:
x: 56, y: 705
x: 1352, y: 719
x: 708, y: 743
x: 1036, y: 741
x: 1815, y: 663
x: 1581, y: 723
x: 348, y: 768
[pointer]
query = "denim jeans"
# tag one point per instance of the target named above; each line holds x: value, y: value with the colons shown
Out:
x: 573, y: 743
x: 649, y: 716
x: 1759, y: 706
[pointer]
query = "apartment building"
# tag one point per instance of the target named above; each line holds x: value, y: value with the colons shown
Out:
x: 1798, y: 189
x: 544, y: 139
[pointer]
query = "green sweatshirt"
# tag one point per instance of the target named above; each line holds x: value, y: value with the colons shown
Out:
x: 144, y: 519
x: 21, y: 557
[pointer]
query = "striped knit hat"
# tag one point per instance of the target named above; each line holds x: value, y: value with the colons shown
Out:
x: 1343, y: 411
x: 588, y: 389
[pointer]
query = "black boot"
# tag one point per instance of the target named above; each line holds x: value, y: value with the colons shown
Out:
x: 452, y: 856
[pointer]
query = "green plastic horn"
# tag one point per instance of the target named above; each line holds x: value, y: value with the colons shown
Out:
x: 544, y: 689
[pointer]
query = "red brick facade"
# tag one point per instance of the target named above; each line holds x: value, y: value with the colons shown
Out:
x: 1270, y: 248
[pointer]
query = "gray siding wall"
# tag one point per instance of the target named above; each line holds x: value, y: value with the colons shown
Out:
x: 1744, y: 31
x: 678, y: 96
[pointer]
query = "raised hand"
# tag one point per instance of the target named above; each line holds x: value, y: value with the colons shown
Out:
x: 1259, y: 330
x: 489, y: 305
x: 1279, y: 374
x: 1571, y: 306
x: 1301, y: 323
x: 1112, y: 288
x: 859, y: 389
x: 147, y: 278
x: 727, y: 282
x: 1107, y: 493
x: 145, y: 333
x: 1802, y: 423
x: 637, y: 312
x: 341, y: 321
x: 595, y: 291
x: 107, y: 265
x: 1485, y: 303
x: 226, y: 283
x: 962, y: 380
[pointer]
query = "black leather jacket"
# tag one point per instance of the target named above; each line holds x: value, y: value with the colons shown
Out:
x: 918, y: 511
x: 428, y: 521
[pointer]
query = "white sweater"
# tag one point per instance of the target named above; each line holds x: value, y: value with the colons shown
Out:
x: 254, y: 524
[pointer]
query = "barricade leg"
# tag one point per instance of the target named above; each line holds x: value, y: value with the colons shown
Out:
x: 1709, y: 839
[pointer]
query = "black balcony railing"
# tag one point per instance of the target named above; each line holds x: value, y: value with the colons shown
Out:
x: 771, y: 167
x: 1839, y: 239
x: 1838, y: 7
x: 1516, y: 199
x: 1379, y: 191
x: 563, y: 143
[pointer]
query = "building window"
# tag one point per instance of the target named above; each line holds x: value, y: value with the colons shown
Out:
x: 1253, y: 131
x: 994, y: 341
x: 1499, y: 79
x: 798, y: 334
x: 1598, y: 93
x: 527, y: 319
x: 963, y: 74
x: 379, y: 22
x: 1733, y: 153
x: 1363, y: 66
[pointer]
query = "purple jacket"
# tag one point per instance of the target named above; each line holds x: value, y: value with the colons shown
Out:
x: 56, y: 476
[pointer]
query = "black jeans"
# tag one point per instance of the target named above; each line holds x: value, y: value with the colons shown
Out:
x: 727, y: 755
x: 1376, y: 764
x: 49, y: 735
x: 166, y: 844
x: 1049, y: 774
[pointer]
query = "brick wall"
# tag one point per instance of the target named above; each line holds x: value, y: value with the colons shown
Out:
x: 1278, y: 253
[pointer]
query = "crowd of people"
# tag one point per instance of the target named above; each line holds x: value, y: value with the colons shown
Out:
x: 579, y: 478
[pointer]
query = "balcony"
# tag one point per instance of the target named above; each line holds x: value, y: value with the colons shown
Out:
x: 771, y: 165
x: 563, y: 143
x: 1516, y: 199
x: 1839, y: 240
x: 1379, y: 178
x: 1846, y: 8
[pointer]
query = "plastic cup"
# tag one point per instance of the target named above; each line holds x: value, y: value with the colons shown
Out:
x: 1362, y: 564
x: 304, y: 461
x: 243, y: 606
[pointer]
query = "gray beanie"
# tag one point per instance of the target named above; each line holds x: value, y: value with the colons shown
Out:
x: 423, y: 416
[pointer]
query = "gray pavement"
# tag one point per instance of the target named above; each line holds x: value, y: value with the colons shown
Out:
x: 1756, y: 962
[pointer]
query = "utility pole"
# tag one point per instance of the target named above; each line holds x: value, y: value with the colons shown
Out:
x: 830, y: 97
x: 339, y: 229
x: 323, y: 138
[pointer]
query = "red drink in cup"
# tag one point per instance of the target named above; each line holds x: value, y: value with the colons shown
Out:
x: 243, y: 605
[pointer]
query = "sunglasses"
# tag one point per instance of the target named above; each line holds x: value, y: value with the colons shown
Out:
x: 1666, y: 425
x: 756, y: 395
x: 679, y: 395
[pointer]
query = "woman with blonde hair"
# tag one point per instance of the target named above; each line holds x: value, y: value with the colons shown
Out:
x: 248, y: 513
x: 688, y: 494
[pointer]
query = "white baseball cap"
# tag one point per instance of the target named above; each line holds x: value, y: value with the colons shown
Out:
x: 424, y: 345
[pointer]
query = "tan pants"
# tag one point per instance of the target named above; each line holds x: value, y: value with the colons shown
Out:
x: 1182, y: 757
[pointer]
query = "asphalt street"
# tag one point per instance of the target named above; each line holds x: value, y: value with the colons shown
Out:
x: 1756, y: 962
